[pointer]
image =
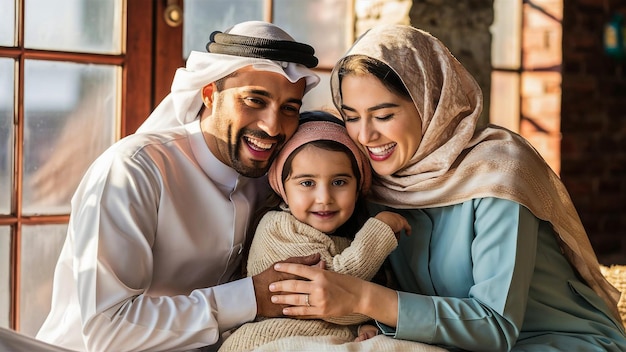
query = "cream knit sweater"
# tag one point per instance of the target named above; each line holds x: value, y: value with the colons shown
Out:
x: 280, y: 236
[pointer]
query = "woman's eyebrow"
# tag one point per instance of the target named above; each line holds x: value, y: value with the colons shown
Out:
x: 373, y: 108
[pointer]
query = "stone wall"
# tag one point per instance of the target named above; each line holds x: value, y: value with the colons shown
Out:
x: 463, y: 26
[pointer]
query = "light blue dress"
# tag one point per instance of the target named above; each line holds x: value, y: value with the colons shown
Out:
x: 487, y: 275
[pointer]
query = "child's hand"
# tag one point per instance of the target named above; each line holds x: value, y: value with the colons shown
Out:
x: 397, y: 222
x: 366, y: 332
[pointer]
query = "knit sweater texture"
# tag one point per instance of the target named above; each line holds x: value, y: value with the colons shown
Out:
x: 280, y: 236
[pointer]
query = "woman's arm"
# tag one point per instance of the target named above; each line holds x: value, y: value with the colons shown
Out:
x: 481, y: 269
x: 326, y: 288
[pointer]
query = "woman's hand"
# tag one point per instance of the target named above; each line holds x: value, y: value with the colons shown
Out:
x: 396, y: 221
x: 330, y: 294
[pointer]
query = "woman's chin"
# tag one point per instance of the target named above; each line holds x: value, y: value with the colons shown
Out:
x: 383, y: 171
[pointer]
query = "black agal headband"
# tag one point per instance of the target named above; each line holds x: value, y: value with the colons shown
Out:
x: 263, y: 48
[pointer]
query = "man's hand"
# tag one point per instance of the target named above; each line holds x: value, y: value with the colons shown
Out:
x: 262, y: 281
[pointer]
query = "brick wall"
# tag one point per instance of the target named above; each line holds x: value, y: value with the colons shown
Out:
x: 593, y: 126
x: 540, y: 121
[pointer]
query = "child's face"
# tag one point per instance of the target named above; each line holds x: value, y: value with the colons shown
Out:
x: 321, y: 188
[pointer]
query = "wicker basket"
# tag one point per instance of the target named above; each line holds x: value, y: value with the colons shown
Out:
x: 616, y: 275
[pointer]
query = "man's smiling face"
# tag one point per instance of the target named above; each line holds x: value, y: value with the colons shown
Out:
x: 252, y: 116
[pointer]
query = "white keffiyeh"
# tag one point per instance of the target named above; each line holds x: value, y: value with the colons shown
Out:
x: 183, y: 103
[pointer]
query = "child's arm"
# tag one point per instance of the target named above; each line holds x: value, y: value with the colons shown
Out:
x: 366, y: 254
x: 365, y: 332
x: 371, y: 245
x: 280, y: 236
x: 396, y: 221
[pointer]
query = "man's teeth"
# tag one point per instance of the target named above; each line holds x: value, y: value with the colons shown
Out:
x: 258, y: 144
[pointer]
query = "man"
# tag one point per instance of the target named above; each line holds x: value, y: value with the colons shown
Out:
x: 159, y: 221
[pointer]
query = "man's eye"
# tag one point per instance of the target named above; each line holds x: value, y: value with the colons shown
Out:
x: 254, y: 101
x: 291, y: 110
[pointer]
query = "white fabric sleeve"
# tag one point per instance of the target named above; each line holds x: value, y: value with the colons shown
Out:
x: 113, y: 225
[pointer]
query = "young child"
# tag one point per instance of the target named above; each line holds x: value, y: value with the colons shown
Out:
x: 321, y: 177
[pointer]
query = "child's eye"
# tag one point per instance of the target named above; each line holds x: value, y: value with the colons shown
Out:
x: 307, y: 183
x: 339, y: 183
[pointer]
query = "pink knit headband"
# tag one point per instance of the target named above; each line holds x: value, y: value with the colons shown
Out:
x: 314, y: 131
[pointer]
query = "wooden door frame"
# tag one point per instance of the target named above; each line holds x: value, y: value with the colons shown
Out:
x: 150, y: 64
x: 137, y: 75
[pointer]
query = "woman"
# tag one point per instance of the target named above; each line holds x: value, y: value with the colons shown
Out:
x: 498, y: 259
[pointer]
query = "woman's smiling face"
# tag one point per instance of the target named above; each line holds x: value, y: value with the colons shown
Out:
x: 386, y: 125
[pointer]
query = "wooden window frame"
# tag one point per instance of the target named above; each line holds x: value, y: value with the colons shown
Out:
x: 136, y: 86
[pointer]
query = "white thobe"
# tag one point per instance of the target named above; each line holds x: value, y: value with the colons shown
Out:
x: 155, y: 235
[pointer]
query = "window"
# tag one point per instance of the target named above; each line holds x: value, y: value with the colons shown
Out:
x: 60, y: 107
x: 327, y: 26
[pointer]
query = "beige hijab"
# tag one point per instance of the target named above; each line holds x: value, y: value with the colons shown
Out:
x: 453, y: 163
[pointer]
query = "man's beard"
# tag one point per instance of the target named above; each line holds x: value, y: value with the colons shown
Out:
x: 256, y: 170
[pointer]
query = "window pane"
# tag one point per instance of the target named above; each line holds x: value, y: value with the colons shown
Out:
x: 202, y: 17
x: 70, y: 115
x: 506, y: 35
x: 7, y: 22
x: 319, y: 97
x: 505, y: 100
x: 326, y: 26
x: 542, y: 35
x: 92, y: 26
x: 6, y: 133
x: 40, y: 249
x: 5, y: 275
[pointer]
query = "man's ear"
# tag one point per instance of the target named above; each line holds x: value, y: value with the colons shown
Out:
x: 207, y: 94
